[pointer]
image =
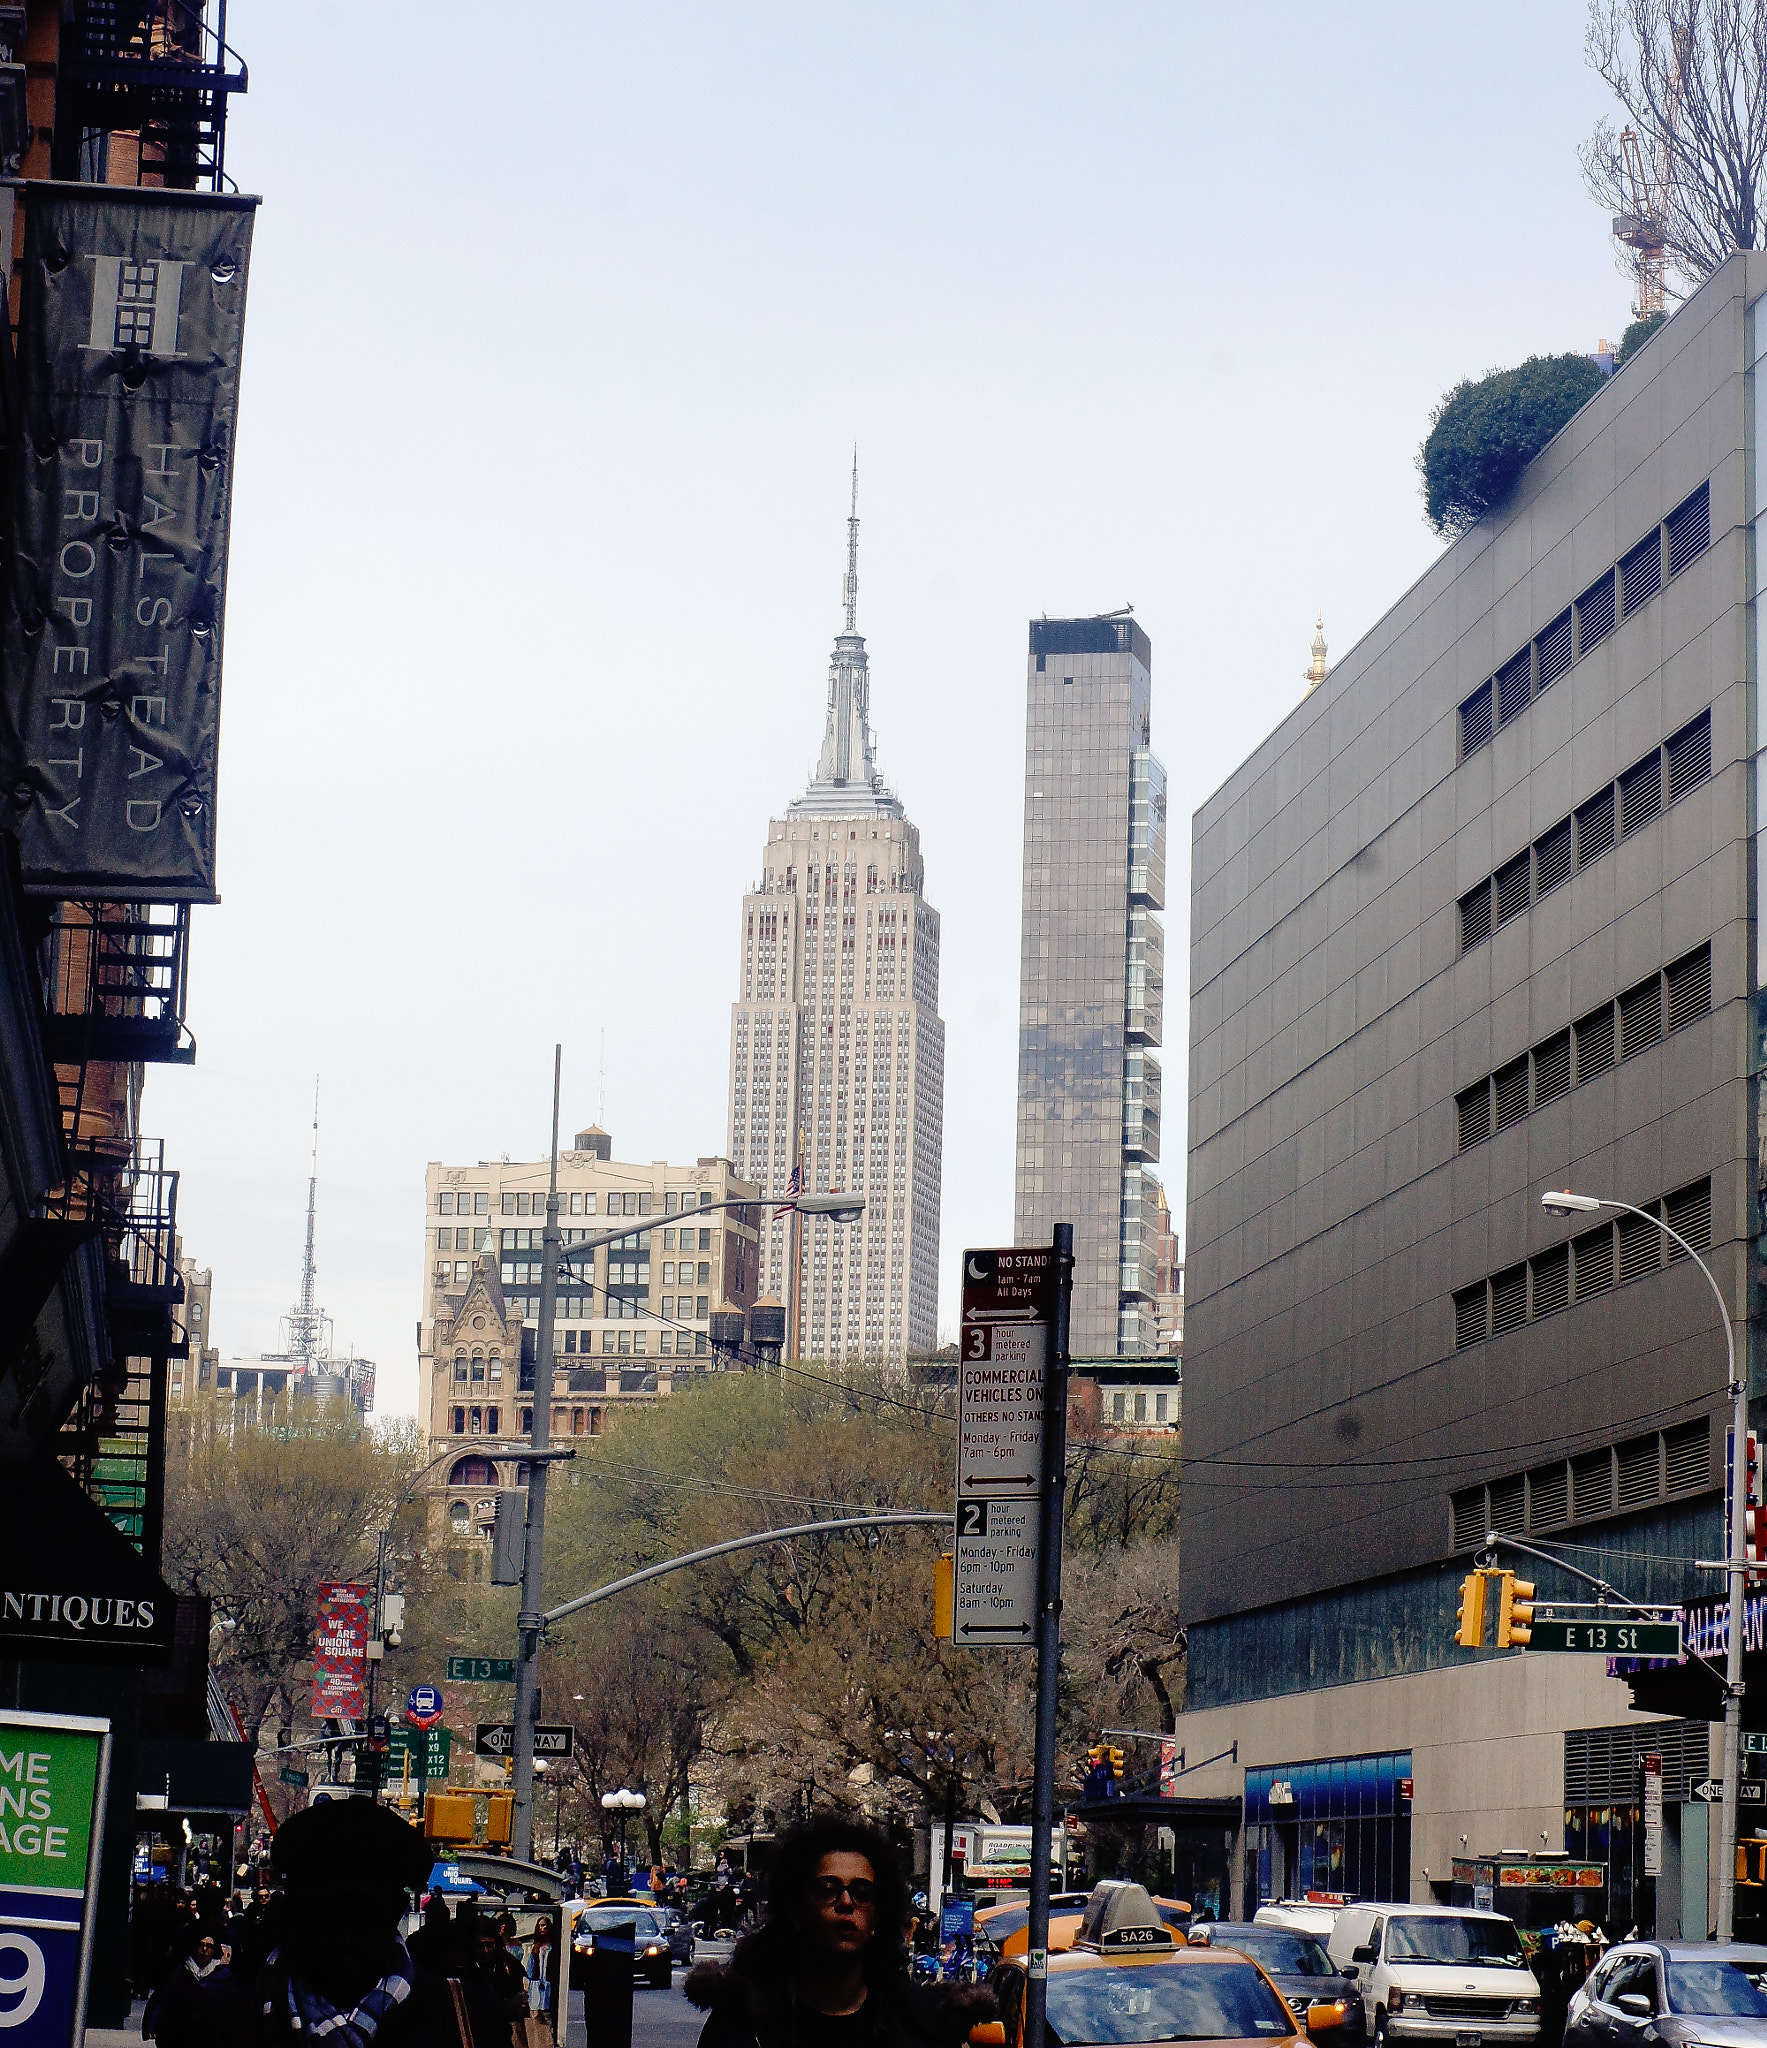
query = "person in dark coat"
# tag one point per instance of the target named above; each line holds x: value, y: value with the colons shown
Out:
x: 433, y: 1946
x: 200, y: 2005
x: 341, y: 1970
x: 825, y: 1968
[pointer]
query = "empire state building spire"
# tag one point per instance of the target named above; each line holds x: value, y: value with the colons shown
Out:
x: 847, y: 783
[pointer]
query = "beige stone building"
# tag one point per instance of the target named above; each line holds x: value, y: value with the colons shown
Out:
x: 837, y: 1051
x: 624, y: 1327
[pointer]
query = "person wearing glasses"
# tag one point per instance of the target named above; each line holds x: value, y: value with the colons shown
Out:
x: 827, y: 1966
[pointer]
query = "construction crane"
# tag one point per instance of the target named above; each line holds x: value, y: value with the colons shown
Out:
x: 1642, y: 227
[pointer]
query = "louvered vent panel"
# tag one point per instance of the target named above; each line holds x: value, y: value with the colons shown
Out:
x: 1555, y: 650
x: 1470, y: 1315
x: 1509, y: 1300
x: 1592, y: 1261
x: 1475, y: 917
x: 1475, y: 721
x: 1509, y: 1506
x: 1552, y: 1281
x: 1468, y: 1527
x: 1690, y: 529
x: 1687, y: 1455
x: 1595, y: 827
x: 1689, y: 1211
x: 1515, y: 685
x: 1640, y: 1465
x: 1640, y: 1247
x: 1690, y: 756
x: 1512, y: 887
x: 1641, y: 793
x: 1552, y: 858
x: 1473, y: 1108
x: 1552, y: 1069
x: 1641, y: 574
x: 1594, y: 1036
x: 1511, y: 1090
x: 1595, y: 613
x: 1592, y: 1484
x: 1689, y: 984
x: 1549, y: 1496
x: 1604, y: 1766
x: 1641, y: 1016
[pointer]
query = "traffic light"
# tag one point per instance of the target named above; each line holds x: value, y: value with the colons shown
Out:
x: 1751, y: 1863
x: 1098, y: 1772
x: 1469, y: 1626
x: 1116, y: 1763
x: 944, y: 1597
x: 509, y: 1536
x: 1515, y: 1611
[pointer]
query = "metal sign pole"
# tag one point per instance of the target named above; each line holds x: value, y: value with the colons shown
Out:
x: 1052, y: 1489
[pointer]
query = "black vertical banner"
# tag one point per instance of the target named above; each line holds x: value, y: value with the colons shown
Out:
x: 131, y: 316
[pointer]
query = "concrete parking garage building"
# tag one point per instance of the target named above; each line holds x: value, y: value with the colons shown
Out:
x: 1478, y: 920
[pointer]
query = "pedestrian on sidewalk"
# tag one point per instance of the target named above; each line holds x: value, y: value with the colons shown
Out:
x: 200, y: 2005
x: 826, y: 1968
x: 341, y: 1971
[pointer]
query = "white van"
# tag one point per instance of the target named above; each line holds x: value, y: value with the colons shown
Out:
x: 1301, y: 1916
x: 1437, y: 1974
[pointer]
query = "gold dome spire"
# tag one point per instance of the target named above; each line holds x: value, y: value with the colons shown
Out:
x: 1314, y: 673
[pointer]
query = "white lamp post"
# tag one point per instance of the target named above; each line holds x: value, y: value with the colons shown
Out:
x: 625, y: 1803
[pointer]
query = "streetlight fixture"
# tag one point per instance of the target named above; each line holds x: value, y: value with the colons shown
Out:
x: 1561, y: 1202
x: 837, y: 1208
x: 625, y: 1803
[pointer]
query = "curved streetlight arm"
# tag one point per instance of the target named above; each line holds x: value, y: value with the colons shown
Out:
x: 763, y: 1536
x: 1736, y: 1564
x: 587, y: 1247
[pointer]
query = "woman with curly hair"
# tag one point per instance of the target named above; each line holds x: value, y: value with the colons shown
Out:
x: 826, y: 1968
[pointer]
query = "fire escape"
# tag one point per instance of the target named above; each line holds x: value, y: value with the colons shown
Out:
x: 141, y: 94
x: 114, y: 979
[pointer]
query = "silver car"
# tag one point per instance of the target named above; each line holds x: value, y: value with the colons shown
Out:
x: 1675, y: 1992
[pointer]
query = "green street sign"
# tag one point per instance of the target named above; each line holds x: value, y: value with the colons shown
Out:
x: 492, y: 1670
x: 290, y: 1776
x: 1753, y: 1745
x: 1608, y: 1638
x: 428, y: 1749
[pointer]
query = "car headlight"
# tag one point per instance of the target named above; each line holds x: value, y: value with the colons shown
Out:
x: 1525, y: 2008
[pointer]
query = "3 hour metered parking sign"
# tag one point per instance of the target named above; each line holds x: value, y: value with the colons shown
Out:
x: 1003, y: 1359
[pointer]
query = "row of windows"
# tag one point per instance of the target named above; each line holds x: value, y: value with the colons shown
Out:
x: 620, y: 1202
x: 1615, y: 595
x: 1665, y: 774
x: 1616, y: 1478
x: 1599, y: 1260
x: 1639, y: 1018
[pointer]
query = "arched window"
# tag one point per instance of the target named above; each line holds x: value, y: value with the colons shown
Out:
x: 460, y: 1368
x: 459, y: 1517
x: 471, y: 1472
x: 478, y: 1365
x: 522, y: 1473
x: 576, y: 1422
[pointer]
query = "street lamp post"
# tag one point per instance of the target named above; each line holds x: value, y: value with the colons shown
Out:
x: 838, y: 1208
x: 625, y: 1804
x: 1563, y: 1203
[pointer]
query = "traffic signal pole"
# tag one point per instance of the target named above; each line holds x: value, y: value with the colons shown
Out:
x: 1052, y: 1491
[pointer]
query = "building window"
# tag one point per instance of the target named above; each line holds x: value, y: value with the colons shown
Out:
x: 475, y: 1422
x: 491, y: 1420
x: 460, y: 1422
x: 445, y: 1203
x: 459, y: 1517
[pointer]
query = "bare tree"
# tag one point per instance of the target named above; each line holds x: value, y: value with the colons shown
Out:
x: 1691, y: 76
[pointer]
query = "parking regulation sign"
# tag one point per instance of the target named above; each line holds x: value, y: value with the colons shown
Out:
x: 1003, y: 1357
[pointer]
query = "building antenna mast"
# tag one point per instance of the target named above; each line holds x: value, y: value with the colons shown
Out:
x: 306, y: 1337
x: 852, y: 586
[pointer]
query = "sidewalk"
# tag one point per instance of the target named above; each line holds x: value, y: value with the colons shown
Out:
x: 119, y: 2037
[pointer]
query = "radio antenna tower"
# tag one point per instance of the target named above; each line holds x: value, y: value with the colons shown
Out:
x: 308, y: 1345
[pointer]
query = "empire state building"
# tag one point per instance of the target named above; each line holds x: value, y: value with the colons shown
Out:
x: 837, y: 1052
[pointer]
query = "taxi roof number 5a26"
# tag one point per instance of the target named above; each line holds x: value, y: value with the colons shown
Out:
x: 1003, y: 1356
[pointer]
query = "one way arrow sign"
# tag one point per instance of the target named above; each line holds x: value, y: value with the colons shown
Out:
x: 1752, y: 1792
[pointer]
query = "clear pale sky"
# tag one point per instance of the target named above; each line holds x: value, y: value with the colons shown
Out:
x: 563, y: 321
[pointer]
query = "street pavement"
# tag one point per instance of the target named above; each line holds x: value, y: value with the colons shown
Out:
x: 660, y: 2019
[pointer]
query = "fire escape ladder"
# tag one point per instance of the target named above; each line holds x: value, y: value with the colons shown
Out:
x: 154, y: 77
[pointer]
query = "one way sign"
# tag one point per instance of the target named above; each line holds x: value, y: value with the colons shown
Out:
x: 1752, y: 1792
x: 497, y: 1738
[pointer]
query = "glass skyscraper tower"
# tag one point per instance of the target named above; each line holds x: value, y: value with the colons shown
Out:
x: 1092, y: 973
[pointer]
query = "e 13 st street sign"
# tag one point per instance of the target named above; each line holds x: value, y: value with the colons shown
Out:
x: 1003, y: 1358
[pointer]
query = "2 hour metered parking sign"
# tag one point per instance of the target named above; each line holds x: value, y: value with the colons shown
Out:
x: 1003, y: 1357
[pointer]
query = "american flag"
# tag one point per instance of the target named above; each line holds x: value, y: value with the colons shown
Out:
x: 795, y: 1186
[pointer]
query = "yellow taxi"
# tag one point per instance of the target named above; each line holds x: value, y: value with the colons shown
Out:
x: 1006, y: 1930
x: 1130, y: 1981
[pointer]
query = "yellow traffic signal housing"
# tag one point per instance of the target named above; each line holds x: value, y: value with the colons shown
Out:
x: 1751, y: 1863
x: 945, y: 1597
x: 447, y: 1816
x: 499, y: 1818
x: 1116, y: 1757
x: 1469, y: 1628
x: 1515, y: 1611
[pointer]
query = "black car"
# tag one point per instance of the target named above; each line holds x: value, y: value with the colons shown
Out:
x: 652, y: 1951
x: 1295, y: 1963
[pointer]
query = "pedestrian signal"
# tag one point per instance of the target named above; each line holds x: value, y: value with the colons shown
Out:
x: 1515, y: 1612
x: 1469, y: 1629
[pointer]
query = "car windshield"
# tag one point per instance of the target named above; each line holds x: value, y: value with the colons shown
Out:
x: 1422, y: 1938
x: 611, y: 1916
x: 1164, y: 2002
x: 1284, y: 1955
x: 1736, y: 1985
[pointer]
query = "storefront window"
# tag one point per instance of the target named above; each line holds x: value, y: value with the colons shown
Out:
x: 1342, y: 1825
